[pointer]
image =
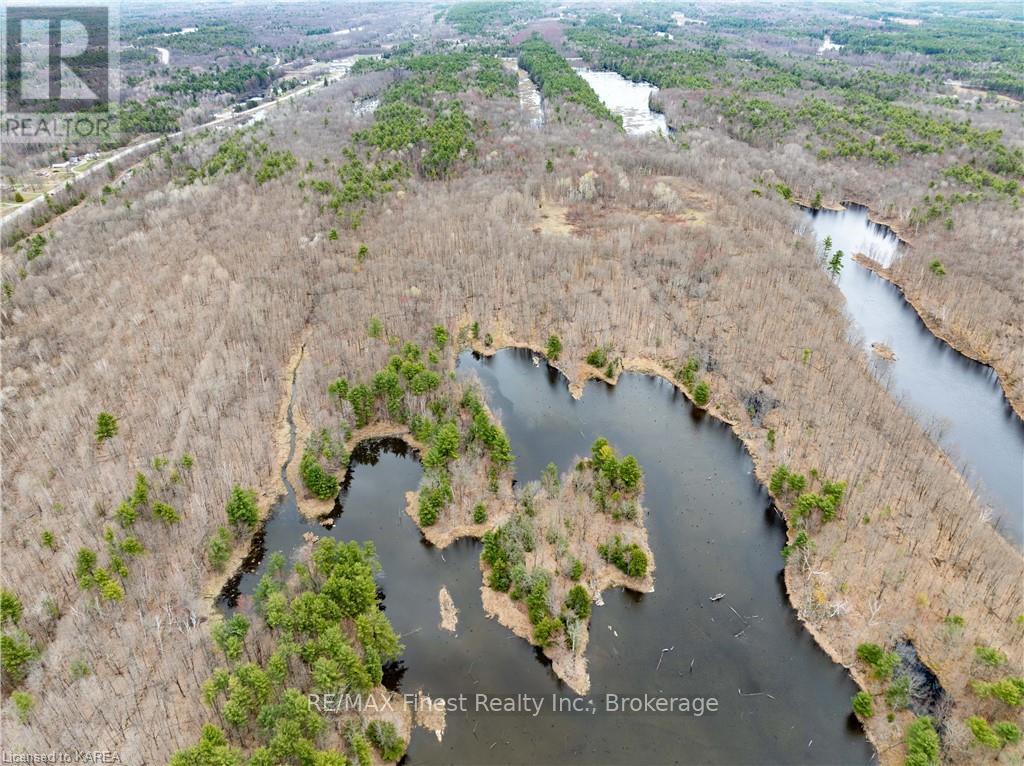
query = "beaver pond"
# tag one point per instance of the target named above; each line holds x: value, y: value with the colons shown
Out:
x: 713, y: 530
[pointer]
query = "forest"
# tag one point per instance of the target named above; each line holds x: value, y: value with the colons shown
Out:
x: 325, y: 266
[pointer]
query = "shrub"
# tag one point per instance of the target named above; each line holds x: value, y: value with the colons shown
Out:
x: 1008, y: 732
x: 954, y: 622
x: 546, y: 630
x: 444, y: 447
x: 800, y: 542
x: 554, y: 346
x: 862, y: 705
x: 629, y: 472
x: 126, y: 514
x: 79, y: 669
x: 432, y: 500
x: 166, y: 513
x: 778, y: 481
x: 16, y: 651
x: 702, y: 394
x: 1009, y: 690
x: 983, y: 733
x: 576, y: 572
x: 85, y: 565
x: 598, y: 357
x: 23, y: 705
x: 440, y: 336
x: 374, y: 327
x: 881, y: 662
x: 10, y: 607
x: 897, y: 696
x: 140, y: 493
x: 937, y: 268
x: 384, y: 737
x: 241, y: 508
x: 688, y: 374
x: 338, y: 389
x: 318, y: 481
x: 922, y: 743
x: 989, y: 656
x: 630, y: 558
x: 578, y: 601
x: 106, y: 426
x: 479, y: 513
x: 219, y: 549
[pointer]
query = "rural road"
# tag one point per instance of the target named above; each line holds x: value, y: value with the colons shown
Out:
x: 338, y: 70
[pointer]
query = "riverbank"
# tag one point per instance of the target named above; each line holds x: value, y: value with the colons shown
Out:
x: 959, y: 342
x: 836, y: 634
x: 938, y: 328
x: 270, y: 492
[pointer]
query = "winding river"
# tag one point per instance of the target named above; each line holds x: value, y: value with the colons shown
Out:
x: 957, y: 399
x: 713, y: 531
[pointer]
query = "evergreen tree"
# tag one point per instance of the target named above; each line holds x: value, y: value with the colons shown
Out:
x: 106, y: 426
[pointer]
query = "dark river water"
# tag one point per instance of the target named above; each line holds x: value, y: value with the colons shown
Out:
x: 957, y: 398
x: 780, y: 699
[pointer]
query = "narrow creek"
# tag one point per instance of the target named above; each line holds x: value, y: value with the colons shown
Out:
x: 956, y: 398
x: 713, y: 530
x: 530, y: 102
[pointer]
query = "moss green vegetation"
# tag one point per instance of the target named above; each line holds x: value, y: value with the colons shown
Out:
x: 327, y: 633
x: 244, y: 78
x: 211, y: 36
x: 922, y: 743
x: 480, y: 16
x: 554, y: 348
x: 628, y: 557
x: 154, y: 115
x: 555, y: 78
x: 451, y: 429
x: 881, y: 662
x: 384, y: 737
x: 863, y: 705
x: 1008, y: 690
x: 419, y: 128
x: 322, y: 459
x: 106, y: 426
x: 241, y: 151
x: 995, y: 736
x: 16, y: 647
x: 241, y: 508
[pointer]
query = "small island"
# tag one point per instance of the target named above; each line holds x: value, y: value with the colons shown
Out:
x: 569, y: 538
